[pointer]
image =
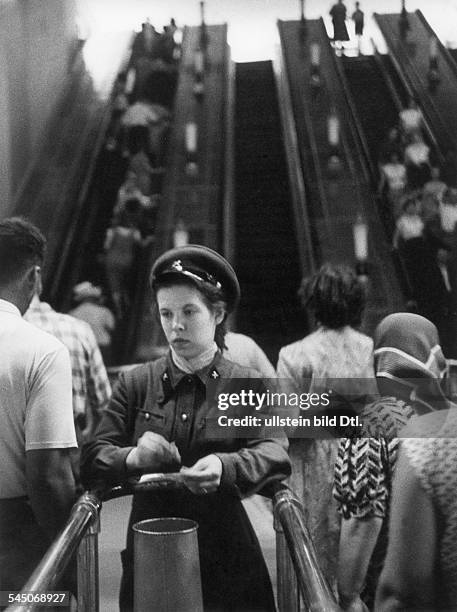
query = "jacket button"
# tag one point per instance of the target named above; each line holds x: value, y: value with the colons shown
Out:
x: 184, y: 417
x: 188, y: 379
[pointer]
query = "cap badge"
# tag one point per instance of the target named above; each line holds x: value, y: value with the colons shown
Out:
x: 177, y: 265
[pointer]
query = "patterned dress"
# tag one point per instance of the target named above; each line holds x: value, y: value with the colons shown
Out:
x: 433, y: 456
x: 363, y: 474
x: 308, y: 365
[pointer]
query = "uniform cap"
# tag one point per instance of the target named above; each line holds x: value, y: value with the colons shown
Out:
x: 201, y: 265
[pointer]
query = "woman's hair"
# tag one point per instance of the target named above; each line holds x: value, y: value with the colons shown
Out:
x: 334, y: 295
x: 212, y: 297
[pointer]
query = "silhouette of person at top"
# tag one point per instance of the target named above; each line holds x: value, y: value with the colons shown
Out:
x: 338, y: 14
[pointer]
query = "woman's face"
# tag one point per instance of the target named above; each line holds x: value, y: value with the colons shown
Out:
x: 189, y: 325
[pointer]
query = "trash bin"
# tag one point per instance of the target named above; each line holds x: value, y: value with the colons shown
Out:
x: 167, y: 566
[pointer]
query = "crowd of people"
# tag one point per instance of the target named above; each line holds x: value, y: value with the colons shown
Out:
x: 376, y: 531
x: 379, y: 499
x: 142, y: 102
x: 371, y: 494
x: 421, y: 205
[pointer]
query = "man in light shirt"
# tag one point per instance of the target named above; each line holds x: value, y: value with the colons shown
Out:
x: 411, y: 119
x: 36, y: 418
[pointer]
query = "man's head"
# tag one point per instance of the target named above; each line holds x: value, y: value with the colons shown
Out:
x: 22, y: 248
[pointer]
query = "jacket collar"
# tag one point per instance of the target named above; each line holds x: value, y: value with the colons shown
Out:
x: 171, y: 375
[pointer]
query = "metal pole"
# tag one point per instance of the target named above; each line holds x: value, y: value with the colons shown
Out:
x: 314, y: 589
x: 88, y: 574
x: 203, y: 29
x: 55, y: 561
x: 404, y: 24
x: 287, y: 587
x: 302, y: 33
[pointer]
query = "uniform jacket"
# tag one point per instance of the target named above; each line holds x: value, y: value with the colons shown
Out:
x: 158, y: 397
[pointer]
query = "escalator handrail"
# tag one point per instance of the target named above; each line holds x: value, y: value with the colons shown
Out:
x: 296, y: 182
x: 58, y: 556
x: 84, y: 514
x: 228, y: 208
x: 316, y: 162
x: 314, y: 589
x: 350, y: 125
x: 355, y: 124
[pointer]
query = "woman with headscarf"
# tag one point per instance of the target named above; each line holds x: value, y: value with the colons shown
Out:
x: 409, y: 365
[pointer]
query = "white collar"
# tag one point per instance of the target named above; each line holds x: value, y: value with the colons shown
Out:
x: 189, y: 366
x: 9, y: 307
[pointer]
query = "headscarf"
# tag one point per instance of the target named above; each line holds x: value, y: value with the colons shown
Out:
x: 407, y: 353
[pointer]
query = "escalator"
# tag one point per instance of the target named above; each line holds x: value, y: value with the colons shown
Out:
x: 86, y: 261
x: 54, y: 186
x: 370, y: 82
x: 373, y: 97
x: 411, y: 56
x: 378, y: 94
x: 267, y: 260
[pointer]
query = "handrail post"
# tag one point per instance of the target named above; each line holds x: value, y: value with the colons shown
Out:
x: 288, y: 594
x: 88, y: 574
x: 314, y: 589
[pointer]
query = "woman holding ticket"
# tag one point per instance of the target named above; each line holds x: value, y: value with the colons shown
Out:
x: 157, y: 421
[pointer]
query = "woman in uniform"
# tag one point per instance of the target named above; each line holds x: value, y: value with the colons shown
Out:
x: 157, y: 421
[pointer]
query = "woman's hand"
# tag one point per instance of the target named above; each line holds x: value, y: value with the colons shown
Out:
x: 153, y: 453
x: 204, y: 476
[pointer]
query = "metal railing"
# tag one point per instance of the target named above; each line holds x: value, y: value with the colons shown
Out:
x: 298, y: 569
x: 81, y: 534
x: 298, y: 572
x: 306, y: 247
